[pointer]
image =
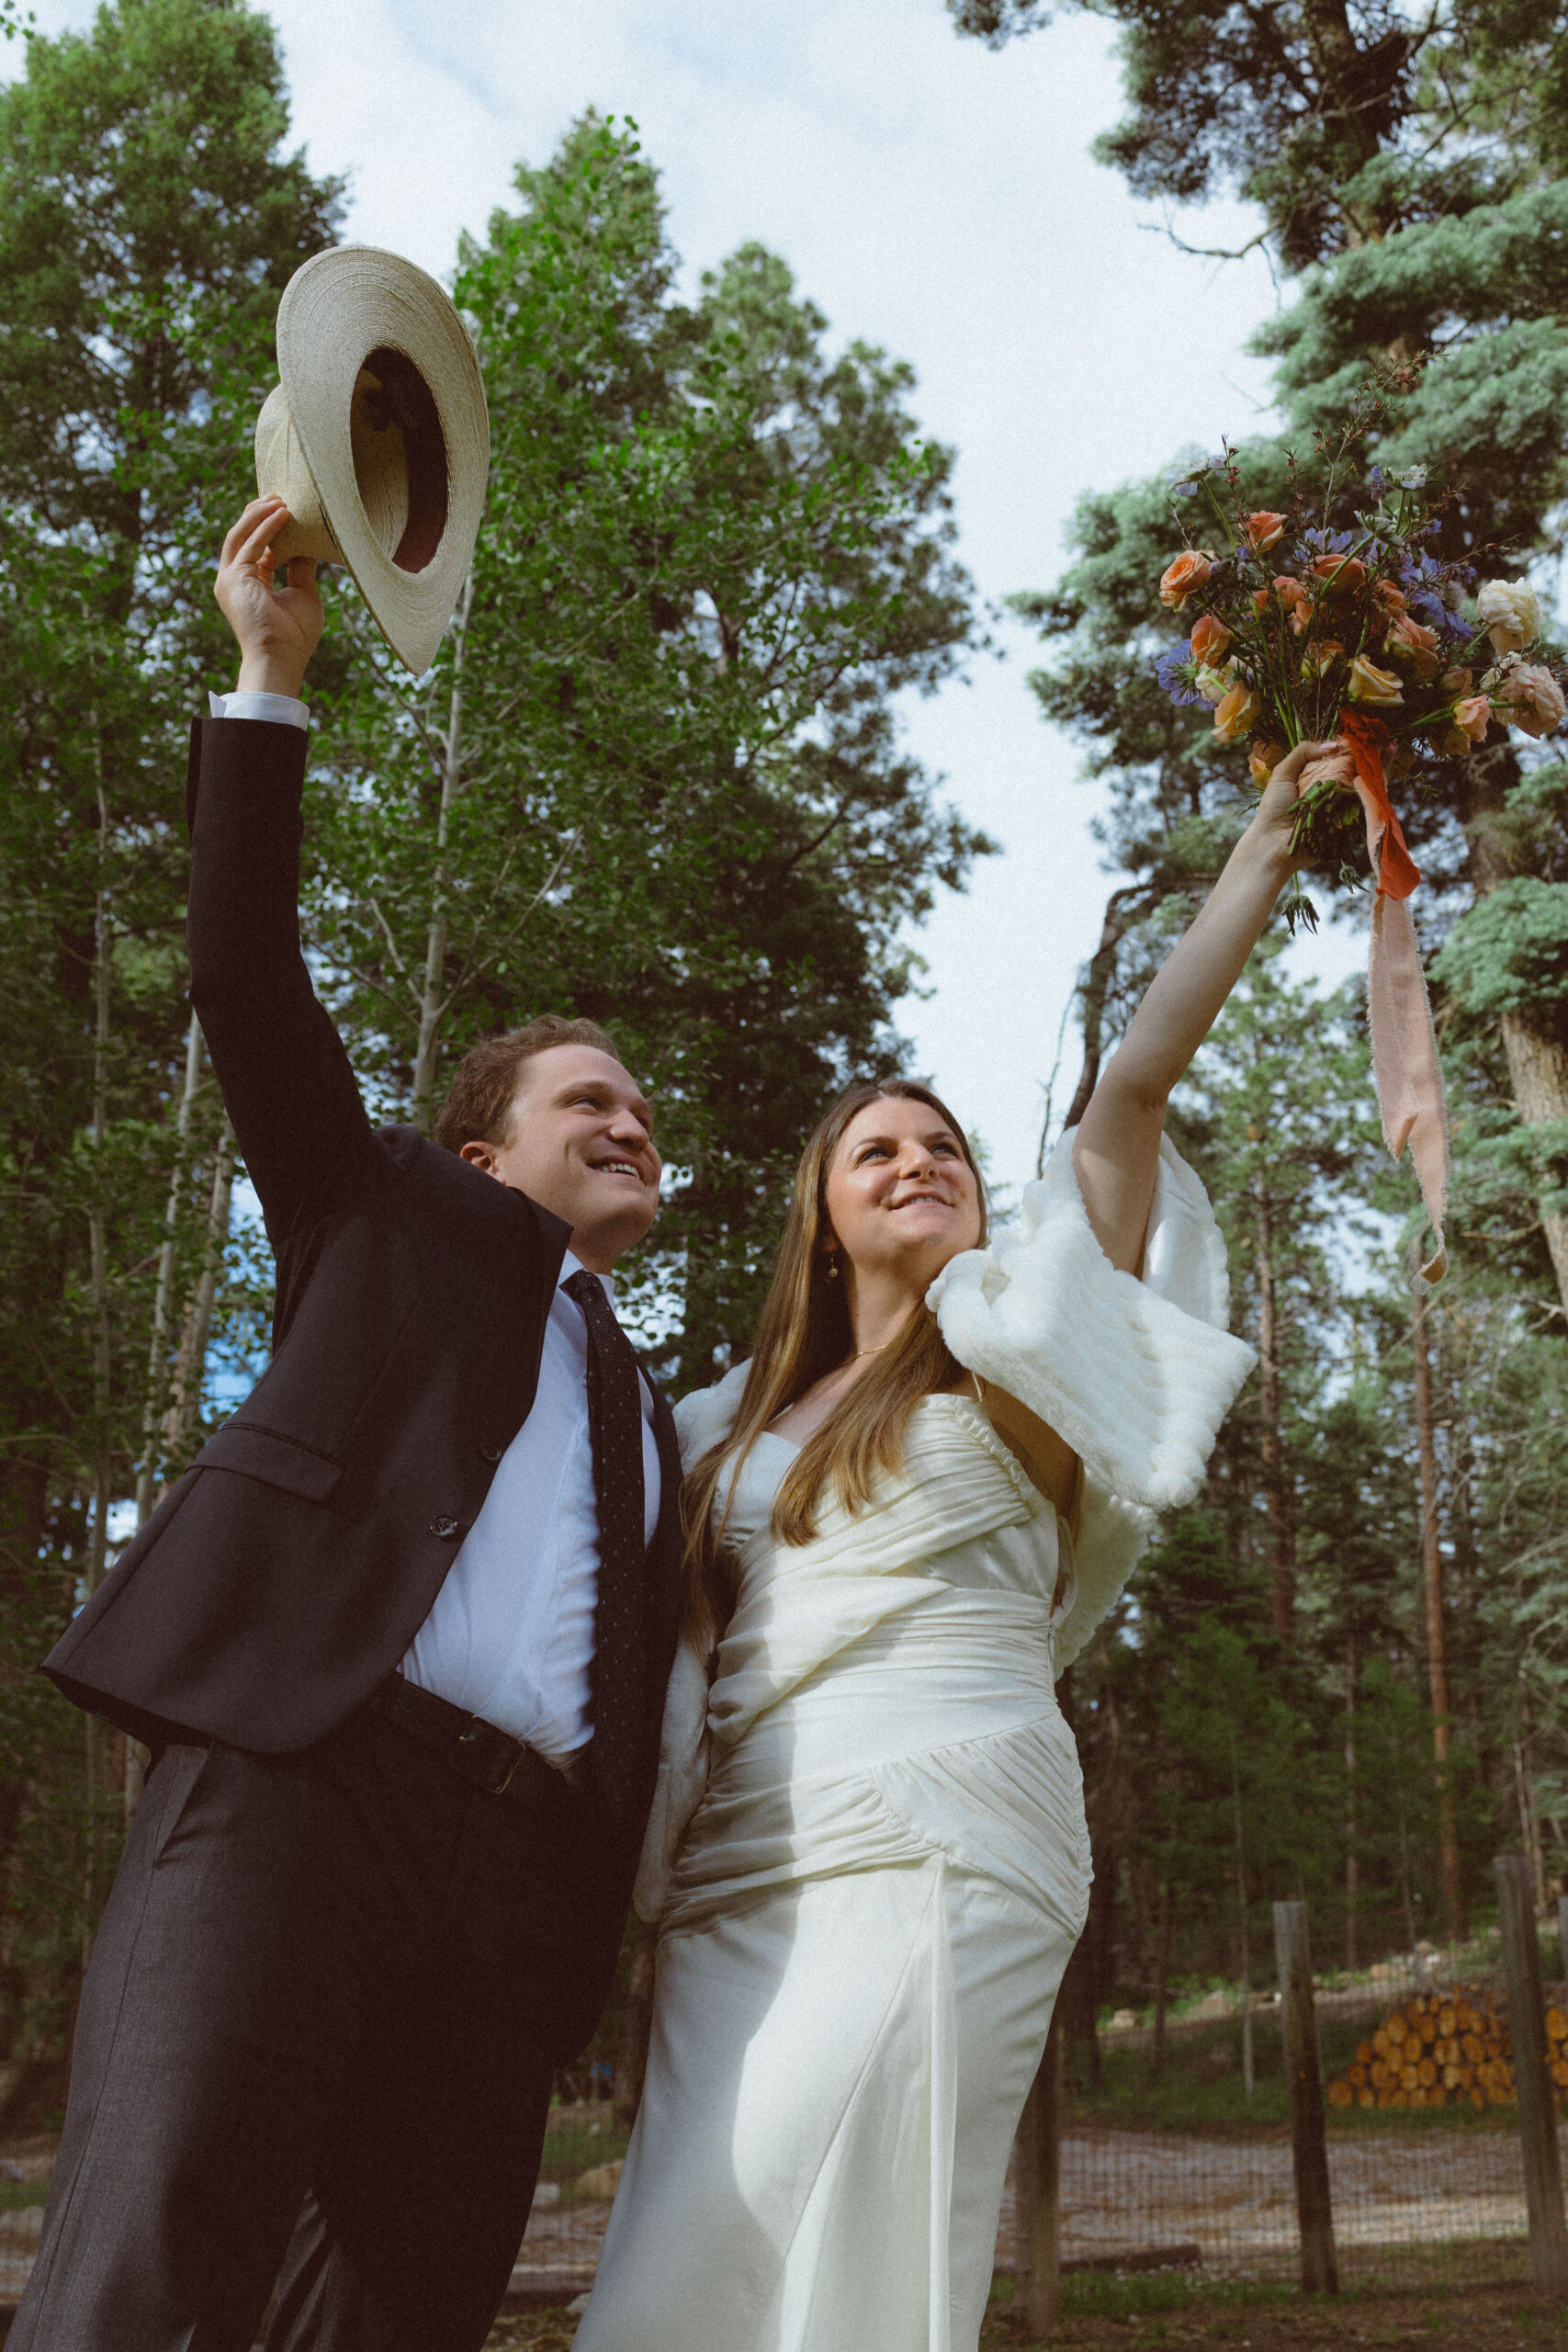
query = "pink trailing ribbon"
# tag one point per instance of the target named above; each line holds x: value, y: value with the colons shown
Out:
x: 1405, y: 1046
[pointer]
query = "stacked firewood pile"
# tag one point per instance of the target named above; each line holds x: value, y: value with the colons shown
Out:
x: 1446, y: 2049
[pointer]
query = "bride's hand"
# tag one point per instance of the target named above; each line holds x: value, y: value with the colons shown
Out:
x: 1276, y: 812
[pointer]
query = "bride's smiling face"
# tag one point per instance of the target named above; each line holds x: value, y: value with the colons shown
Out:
x: 902, y: 1197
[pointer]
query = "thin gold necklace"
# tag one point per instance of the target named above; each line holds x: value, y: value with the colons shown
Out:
x: 870, y: 1351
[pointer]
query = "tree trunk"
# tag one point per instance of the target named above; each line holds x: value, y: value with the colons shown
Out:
x: 1162, y: 1976
x: 1437, y: 1640
x: 1122, y: 910
x: 1352, y: 1858
x: 1282, y: 1535
x: 1536, y: 1050
x: 190, y: 1365
x: 93, y: 1730
x: 1247, y: 2075
x: 433, y: 998
x: 163, y: 1296
x: 1538, y: 1073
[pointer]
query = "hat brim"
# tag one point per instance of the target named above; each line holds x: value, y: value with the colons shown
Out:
x: 344, y: 308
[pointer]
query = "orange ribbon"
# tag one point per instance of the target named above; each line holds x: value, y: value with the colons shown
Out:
x: 1369, y: 738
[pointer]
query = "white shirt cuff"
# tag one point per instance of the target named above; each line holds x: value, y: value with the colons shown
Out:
x: 281, y: 709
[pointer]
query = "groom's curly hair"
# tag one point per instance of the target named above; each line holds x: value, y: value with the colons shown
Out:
x: 480, y: 1100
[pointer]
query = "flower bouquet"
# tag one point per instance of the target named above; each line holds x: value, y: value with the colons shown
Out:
x: 1302, y: 633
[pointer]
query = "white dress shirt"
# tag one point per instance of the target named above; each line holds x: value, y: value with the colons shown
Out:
x: 510, y: 1636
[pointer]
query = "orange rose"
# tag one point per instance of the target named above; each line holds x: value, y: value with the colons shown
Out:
x: 1472, y: 717
x: 1391, y: 598
x: 1341, y: 572
x: 1319, y: 654
x: 1369, y: 683
x: 1413, y: 644
x: 1532, y: 699
x: 1184, y: 577
x: 1209, y: 638
x: 1235, y: 714
x: 1296, y: 598
x: 1264, y: 530
x: 1265, y: 757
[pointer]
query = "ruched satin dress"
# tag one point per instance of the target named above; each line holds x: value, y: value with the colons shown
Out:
x: 865, y: 1918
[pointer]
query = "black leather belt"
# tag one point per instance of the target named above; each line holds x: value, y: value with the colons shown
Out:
x: 478, y: 1751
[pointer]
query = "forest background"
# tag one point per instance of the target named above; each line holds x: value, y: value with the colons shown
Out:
x: 660, y: 774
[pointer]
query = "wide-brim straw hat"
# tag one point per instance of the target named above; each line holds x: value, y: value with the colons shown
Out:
x: 378, y: 438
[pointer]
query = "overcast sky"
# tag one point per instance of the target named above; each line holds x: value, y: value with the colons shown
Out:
x: 932, y: 197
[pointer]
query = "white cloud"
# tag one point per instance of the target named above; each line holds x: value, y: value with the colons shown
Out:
x: 931, y: 195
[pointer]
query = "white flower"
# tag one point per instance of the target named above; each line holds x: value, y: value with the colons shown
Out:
x: 1412, y: 477
x: 1509, y: 613
x: 1216, y: 685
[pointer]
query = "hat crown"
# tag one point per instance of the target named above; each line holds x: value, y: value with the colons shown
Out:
x: 377, y: 438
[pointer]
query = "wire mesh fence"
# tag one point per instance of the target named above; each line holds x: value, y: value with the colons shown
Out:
x: 1176, y: 2162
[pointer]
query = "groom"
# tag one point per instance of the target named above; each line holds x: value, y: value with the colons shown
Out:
x: 398, y: 1641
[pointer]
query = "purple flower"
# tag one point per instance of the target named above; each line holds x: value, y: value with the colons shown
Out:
x: 1175, y: 672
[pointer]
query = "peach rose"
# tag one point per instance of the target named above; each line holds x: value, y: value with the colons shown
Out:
x: 1236, y: 714
x: 1509, y: 613
x: 1318, y: 654
x: 1264, y: 530
x: 1184, y: 577
x: 1209, y: 638
x: 1391, y: 598
x: 1263, y: 761
x: 1472, y: 717
x: 1533, y: 700
x: 1296, y: 598
x: 1341, y: 572
x: 1369, y: 683
x: 1457, y: 682
x: 1413, y: 644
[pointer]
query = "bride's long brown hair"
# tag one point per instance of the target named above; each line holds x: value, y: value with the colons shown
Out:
x: 804, y: 1333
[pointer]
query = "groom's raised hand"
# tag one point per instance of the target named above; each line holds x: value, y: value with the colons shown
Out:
x: 276, y: 629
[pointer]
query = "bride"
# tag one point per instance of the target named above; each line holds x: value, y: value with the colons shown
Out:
x: 868, y: 1857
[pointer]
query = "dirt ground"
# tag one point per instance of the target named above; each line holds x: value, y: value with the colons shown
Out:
x: 1481, y: 2319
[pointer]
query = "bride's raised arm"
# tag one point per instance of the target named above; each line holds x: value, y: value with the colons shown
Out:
x: 1116, y: 1148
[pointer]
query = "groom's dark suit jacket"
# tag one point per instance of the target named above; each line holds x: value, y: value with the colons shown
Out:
x: 284, y: 1576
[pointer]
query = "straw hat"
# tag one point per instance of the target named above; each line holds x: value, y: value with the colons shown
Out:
x: 378, y: 438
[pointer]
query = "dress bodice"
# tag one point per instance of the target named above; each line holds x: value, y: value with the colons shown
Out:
x: 960, y: 1516
x: 1026, y: 1553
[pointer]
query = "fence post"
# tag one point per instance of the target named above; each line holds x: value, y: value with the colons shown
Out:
x: 1037, y: 2264
x: 1532, y: 2080
x: 1309, y: 2143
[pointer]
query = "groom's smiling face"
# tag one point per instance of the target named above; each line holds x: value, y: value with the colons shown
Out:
x: 580, y: 1143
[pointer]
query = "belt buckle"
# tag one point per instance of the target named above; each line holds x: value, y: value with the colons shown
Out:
x: 495, y: 1772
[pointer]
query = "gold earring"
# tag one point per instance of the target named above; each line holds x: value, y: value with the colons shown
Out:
x: 832, y: 1265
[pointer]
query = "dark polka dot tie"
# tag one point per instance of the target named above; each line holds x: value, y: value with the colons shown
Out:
x: 614, y: 1428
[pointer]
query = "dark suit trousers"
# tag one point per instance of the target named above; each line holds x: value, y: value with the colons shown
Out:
x: 326, y: 1992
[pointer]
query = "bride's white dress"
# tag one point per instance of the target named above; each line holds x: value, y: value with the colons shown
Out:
x: 868, y: 1856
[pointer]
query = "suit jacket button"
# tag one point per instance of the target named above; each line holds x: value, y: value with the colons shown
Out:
x: 489, y: 1451
x: 444, y: 1526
